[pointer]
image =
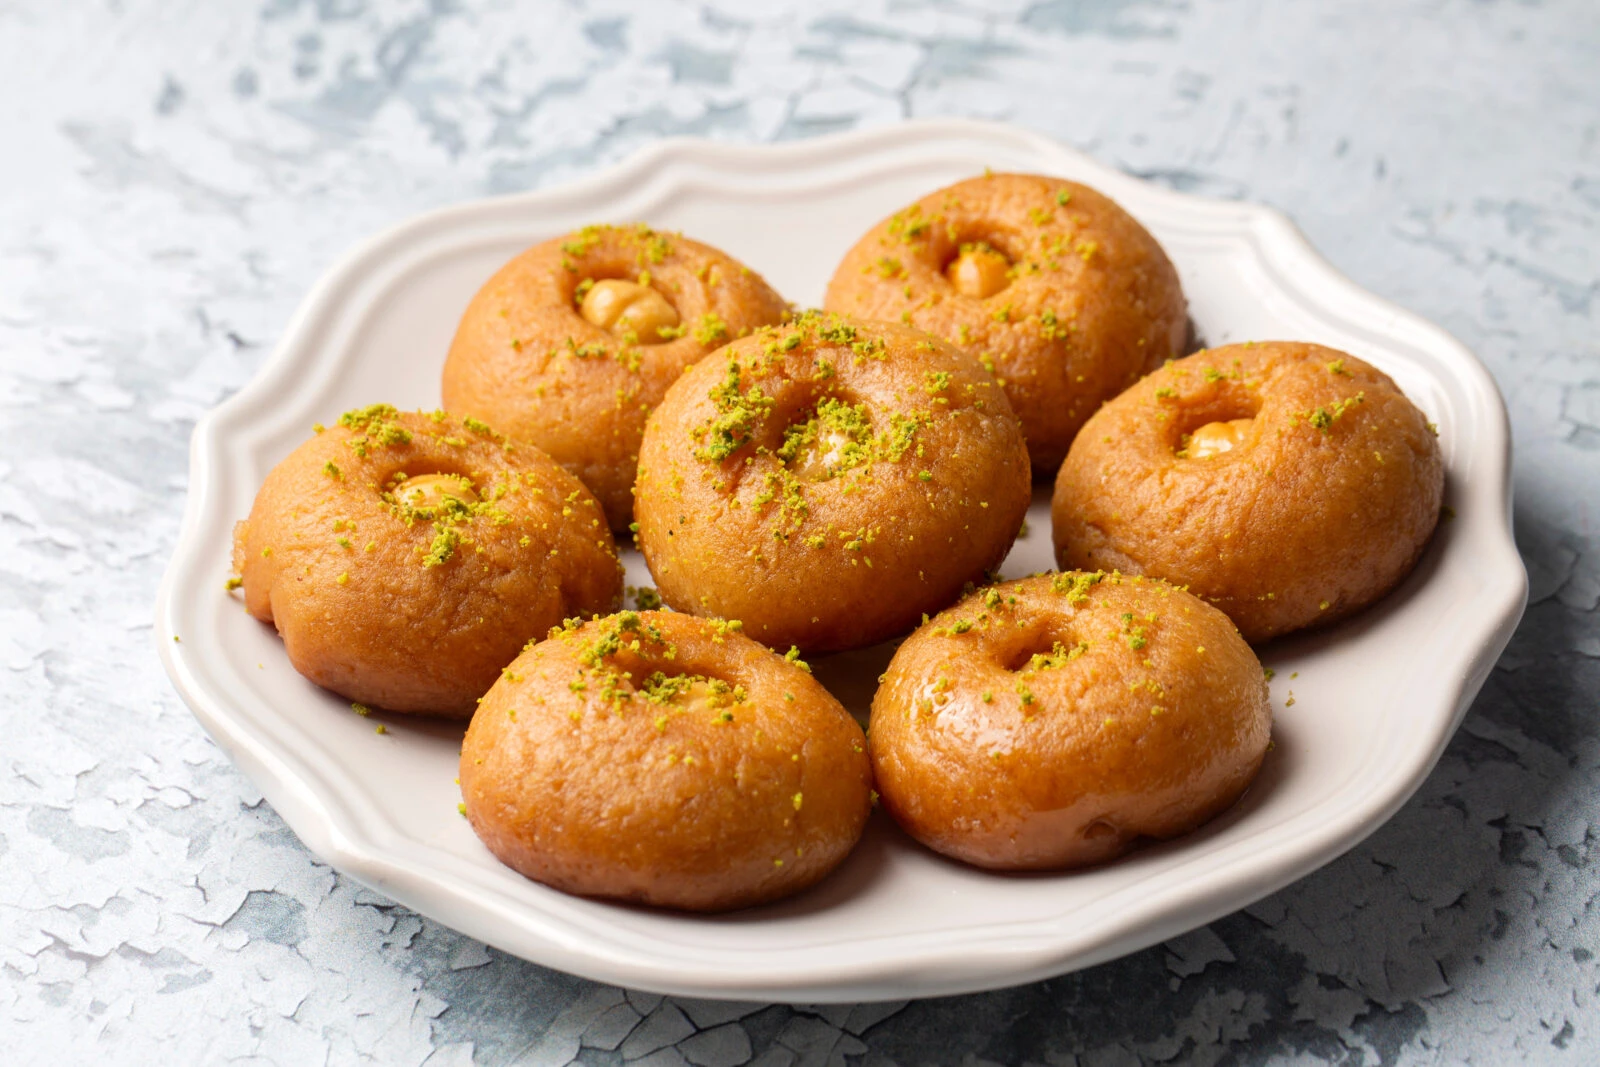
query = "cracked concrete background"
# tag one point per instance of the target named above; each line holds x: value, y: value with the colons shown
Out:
x: 180, y: 172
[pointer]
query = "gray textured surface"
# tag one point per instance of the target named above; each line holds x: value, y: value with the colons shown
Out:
x: 178, y: 174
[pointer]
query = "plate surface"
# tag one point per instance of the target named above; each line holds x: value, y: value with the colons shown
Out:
x: 1374, y: 700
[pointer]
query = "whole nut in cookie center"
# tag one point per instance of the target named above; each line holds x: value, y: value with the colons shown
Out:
x: 1215, y: 438
x: 426, y: 492
x: 979, y: 271
x: 615, y: 304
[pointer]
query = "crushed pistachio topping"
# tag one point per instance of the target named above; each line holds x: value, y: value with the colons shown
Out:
x: 737, y: 413
x: 1075, y: 587
x: 723, y: 627
x: 1050, y: 327
x: 672, y: 692
x: 842, y: 436
x: 1058, y: 656
x: 580, y: 244
x: 711, y: 330
x: 649, y: 246
x: 1133, y: 633
x: 620, y: 631
x: 443, y: 547
x: 909, y: 225
x: 662, y: 689
x: 480, y: 428
x: 644, y: 598
x: 1324, y: 417
x: 374, y: 427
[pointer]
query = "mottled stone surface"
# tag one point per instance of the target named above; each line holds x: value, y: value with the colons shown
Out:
x: 177, y: 174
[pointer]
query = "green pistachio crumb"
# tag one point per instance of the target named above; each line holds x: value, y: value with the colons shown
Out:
x: 443, y: 547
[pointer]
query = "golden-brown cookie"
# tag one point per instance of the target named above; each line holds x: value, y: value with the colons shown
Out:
x: 572, y: 343
x: 1289, y: 484
x: 665, y: 759
x: 1052, y: 722
x: 1063, y: 294
x: 829, y: 481
x: 405, y: 558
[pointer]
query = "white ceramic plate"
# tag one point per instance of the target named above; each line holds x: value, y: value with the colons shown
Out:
x: 1375, y: 700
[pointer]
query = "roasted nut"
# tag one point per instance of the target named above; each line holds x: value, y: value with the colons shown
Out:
x: 979, y: 271
x: 617, y: 305
x: 1215, y: 438
x: 426, y: 492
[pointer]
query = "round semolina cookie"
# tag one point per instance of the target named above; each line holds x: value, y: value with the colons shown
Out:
x: 1288, y: 484
x: 405, y: 558
x: 829, y: 481
x: 1052, y: 722
x: 668, y: 760
x: 1061, y: 293
x: 571, y: 344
